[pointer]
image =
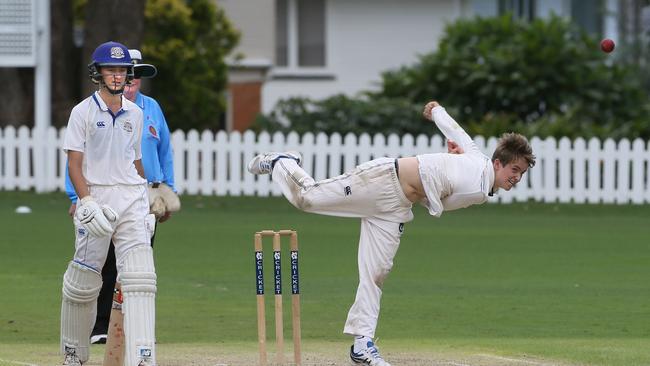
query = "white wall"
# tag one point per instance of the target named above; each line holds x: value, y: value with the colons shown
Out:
x: 256, y: 22
x: 366, y: 37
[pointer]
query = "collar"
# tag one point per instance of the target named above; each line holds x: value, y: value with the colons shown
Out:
x: 139, y: 100
x: 491, y: 179
x: 102, y: 105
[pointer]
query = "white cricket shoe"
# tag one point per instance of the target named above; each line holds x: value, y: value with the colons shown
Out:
x: 71, y: 358
x: 367, y: 356
x: 263, y: 163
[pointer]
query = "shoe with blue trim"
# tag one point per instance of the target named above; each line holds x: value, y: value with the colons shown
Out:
x: 367, y: 356
x: 71, y: 358
x: 264, y: 163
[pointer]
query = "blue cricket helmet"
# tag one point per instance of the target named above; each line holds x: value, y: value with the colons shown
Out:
x: 110, y: 54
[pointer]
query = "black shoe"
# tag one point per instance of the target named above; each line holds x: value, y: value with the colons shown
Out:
x: 98, y: 339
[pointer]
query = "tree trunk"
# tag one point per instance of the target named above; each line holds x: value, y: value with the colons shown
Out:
x: 65, y: 59
x: 118, y: 20
x: 17, y: 107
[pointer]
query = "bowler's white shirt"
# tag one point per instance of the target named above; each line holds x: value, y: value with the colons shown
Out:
x: 110, y: 143
x: 453, y: 181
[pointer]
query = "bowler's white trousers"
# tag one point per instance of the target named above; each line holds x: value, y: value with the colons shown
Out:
x: 371, y: 192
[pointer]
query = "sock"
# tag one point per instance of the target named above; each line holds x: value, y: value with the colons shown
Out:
x: 361, y: 342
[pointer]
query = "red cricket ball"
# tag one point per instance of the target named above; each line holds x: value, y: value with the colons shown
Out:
x: 607, y: 45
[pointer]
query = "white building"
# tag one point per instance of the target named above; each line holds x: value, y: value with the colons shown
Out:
x: 317, y: 48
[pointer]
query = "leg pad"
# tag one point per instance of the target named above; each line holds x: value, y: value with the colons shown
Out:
x: 81, y: 285
x: 138, y: 280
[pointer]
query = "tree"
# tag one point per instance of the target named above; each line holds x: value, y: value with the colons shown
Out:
x: 65, y: 56
x: 188, y: 42
x: 17, y: 107
x: 116, y: 20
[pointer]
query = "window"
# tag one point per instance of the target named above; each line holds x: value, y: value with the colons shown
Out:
x: 524, y: 9
x: 300, y: 33
x: 589, y: 15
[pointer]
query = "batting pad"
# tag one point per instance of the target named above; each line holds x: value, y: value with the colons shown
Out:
x: 138, y: 279
x: 81, y: 287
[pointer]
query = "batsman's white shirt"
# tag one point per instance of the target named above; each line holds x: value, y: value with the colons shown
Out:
x: 110, y: 144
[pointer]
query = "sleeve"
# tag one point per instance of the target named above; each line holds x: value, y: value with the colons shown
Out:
x: 75, y: 133
x: 138, y: 137
x: 462, y: 200
x: 165, y: 151
x: 69, y: 188
x: 452, y: 130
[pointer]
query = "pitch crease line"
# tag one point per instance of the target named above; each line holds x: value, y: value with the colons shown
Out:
x: 515, y: 360
x: 18, y: 362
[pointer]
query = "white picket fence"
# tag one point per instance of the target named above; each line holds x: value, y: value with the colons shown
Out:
x: 215, y: 164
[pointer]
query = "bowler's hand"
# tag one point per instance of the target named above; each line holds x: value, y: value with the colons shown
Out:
x: 454, y: 148
x: 427, y: 109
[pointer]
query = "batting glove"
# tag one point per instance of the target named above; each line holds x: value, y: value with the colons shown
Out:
x: 96, y: 219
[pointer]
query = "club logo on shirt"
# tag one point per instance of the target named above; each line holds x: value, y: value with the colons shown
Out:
x: 81, y: 232
x: 152, y: 131
x: 127, y: 126
x: 101, y: 124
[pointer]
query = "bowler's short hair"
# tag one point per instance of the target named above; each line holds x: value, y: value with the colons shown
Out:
x: 511, y: 147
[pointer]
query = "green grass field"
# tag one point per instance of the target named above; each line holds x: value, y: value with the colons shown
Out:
x: 565, y: 284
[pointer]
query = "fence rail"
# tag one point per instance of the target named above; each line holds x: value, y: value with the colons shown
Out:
x: 210, y: 163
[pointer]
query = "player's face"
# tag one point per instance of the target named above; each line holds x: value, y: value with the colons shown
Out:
x: 114, y: 77
x: 131, y: 89
x: 507, y: 176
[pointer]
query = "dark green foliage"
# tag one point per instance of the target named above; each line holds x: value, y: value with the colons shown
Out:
x: 544, y: 78
x: 343, y: 114
x: 188, y: 41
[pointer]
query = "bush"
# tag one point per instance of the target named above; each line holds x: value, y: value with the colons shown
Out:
x: 343, y: 114
x: 545, y: 71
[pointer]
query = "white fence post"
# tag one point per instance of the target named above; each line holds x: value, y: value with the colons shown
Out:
x: 215, y: 164
x: 640, y: 172
x: 25, y: 174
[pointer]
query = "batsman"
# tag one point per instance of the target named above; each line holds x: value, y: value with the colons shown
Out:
x: 102, y: 142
